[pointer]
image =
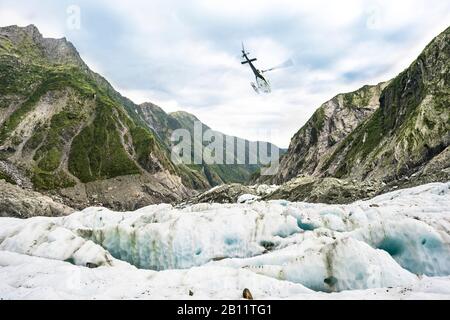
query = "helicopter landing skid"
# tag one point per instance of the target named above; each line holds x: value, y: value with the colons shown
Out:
x: 254, y: 87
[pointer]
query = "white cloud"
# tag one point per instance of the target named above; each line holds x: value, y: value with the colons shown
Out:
x: 23, y: 14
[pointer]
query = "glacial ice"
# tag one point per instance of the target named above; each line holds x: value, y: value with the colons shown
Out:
x: 42, y: 237
x: 280, y: 249
x: 245, y: 198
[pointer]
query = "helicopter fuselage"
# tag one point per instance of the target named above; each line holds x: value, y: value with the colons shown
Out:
x: 256, y: 72
x: 262, y: 84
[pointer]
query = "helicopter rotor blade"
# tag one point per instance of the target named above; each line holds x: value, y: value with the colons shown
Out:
x: 243, y: 50
x: 286, y: 64
x: 264, y: 71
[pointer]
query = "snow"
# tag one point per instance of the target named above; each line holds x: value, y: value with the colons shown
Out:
x: 27, y: 277
x: 247, y: 198
x: 393, y: 246
x: 43, y: 238
x: 263, y: 189
x: 345, y: 264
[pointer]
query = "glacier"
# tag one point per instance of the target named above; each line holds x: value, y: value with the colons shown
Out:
x: 396, y: 245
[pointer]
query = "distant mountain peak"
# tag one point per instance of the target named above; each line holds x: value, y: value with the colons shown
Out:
x: 184, y: 114
x: 30, y: 44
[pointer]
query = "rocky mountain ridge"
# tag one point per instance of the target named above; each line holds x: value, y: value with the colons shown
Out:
x: 165, y: 123
x: 395, y: 133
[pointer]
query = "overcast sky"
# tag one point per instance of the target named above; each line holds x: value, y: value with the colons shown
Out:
x: 184, y: 55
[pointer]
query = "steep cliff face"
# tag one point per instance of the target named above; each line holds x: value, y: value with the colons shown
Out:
x: 386, y: 132
x: 165, y: 123
x: 410, y: 128
x: 64, y: 126
x: 329, y: 125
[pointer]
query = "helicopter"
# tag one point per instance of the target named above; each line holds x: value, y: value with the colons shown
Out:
x: 262, y: 83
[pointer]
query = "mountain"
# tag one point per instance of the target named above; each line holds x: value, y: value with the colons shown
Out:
x: 397, y: 132
x: 165, y: 123
x: 65, y: 129
x: 331, y: 123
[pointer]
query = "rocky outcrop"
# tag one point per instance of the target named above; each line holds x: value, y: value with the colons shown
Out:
x: 326, y: 190
x: 232, y: 193
x: 437, y: 169
x: 227, y: 193
x: 126, y: 193
x: 329, y: 125
x: 13, y: 175
x: 29, y: 43
x: 246, y: 294
x: 342, y: 191
x: 19, y: 203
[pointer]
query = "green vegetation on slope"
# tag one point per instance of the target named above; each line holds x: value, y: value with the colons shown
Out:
x: 317, y: 123
x: 63, y: 124
x: 44, y: 180
x: 359, y: 98
x: 7, y: 178
x: 410, y: 127
x: 144, y: 145
x: 97, y: 152
x: 47, y: 78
